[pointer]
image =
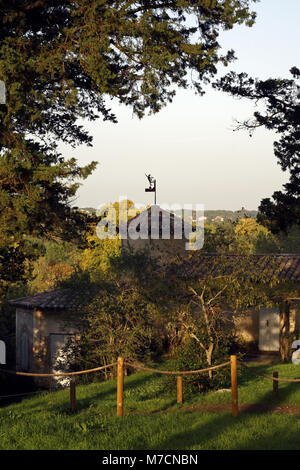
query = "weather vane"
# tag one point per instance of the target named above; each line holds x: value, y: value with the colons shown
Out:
x: 152, y: 186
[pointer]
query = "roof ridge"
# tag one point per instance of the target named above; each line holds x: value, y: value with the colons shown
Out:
x: 251, y: 254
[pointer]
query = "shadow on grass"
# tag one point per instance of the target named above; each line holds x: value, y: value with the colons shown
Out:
x: 203, y: 435
x: 95, y: 394
x: 285, y: 389
x: 99, y: 395
x: 267, y: 403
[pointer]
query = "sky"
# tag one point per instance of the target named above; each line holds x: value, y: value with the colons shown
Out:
x: 190, y: 146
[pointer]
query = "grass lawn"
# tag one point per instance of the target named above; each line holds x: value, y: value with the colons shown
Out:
x: 153, y: 420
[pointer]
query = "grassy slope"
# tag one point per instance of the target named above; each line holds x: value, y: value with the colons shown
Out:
x: 44, y: 422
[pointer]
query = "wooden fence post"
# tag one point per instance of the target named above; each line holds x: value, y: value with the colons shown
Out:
x: 234, y: 386
x: 179, y: 390
x: 120, y: 387
x: 275, y: 384
x: 72, y: 394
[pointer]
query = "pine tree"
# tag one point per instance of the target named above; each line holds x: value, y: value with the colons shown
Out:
x: 281, y: 102
x: 61, y: 61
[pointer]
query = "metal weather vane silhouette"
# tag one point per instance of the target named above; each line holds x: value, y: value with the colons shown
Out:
x: 152, y: 186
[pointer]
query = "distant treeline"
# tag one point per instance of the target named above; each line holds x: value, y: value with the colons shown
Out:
x: 210, y: 214
x: 230, y: 215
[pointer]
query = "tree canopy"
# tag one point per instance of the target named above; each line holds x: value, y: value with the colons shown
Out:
x: 62, y: 61
x: 280, y: 112
x: 66, y: 57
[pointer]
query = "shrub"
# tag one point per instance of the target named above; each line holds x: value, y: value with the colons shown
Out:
x: 190, y: 356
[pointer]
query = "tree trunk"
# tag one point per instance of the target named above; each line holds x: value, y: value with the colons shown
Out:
x: 209, y: 352
x: 285, y: 341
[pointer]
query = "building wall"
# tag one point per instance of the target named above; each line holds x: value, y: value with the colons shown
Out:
x: 45, y: 323
x: 39, y: 325
x: 248, y: 328
x: 160, y: 249
x: 24, y: 326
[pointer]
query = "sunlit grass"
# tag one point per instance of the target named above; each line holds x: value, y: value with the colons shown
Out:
x: 152, y: 418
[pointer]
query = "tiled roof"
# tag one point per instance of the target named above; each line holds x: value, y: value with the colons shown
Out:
x: 287, y: 267
x: 284, y: 266
x: 57, y: 299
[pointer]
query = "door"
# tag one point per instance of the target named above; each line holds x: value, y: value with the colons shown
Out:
x: 269, y: 326
x: 60, y: 356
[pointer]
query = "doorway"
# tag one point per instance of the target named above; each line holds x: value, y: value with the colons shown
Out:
x: 269, y: 327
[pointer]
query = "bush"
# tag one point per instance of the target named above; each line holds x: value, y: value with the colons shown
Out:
x: 190, y: 356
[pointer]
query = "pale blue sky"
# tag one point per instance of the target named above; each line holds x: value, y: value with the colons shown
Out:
x: 190, y: 146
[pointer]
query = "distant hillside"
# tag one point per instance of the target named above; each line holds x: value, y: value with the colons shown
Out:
x: 88, y: 210
x: 230, y: 215
x: 219, y: 215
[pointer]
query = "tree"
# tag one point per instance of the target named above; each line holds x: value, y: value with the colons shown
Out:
x: 99, y: 257
x: 289, y: 241
x: 213, y: 299
x: 252, y: 237
x: 59, y: 61
x: 57, y: 262
x: 231, y: 287
x: 244, y: 236
x: 218, y: 237
x: 121, y: 315
x: 281, y: 113
x: 13, y: 265
x: 117, y: 322
x: 72, y: 55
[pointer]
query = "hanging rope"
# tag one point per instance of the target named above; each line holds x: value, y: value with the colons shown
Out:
x: 148, y: 369
x: 61, y: 374
x: 20, y: 394
x: 277, y: 379
x: 167, y: 372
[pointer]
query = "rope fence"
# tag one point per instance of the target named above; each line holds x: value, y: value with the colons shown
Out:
x: 121, y: 363
x: 60, y: 374
x: 276, y: 379
x: 168, y: 372
x: 20, y: 394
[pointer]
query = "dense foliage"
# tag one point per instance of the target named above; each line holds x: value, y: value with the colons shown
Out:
x: 248, y: 236
x: 281, y: 112
x: 118, y: 322
x: 60, y: 62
